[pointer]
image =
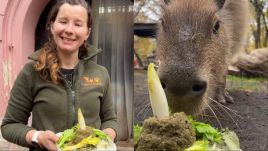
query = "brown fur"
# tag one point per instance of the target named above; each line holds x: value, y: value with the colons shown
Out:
x: 190, y: 52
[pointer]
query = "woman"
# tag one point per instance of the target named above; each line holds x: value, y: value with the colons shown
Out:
x: 60, y: 79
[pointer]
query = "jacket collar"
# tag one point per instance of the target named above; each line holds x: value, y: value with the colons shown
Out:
x: 92, y: 52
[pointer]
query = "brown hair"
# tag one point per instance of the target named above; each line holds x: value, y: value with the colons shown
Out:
x: 48, y: 62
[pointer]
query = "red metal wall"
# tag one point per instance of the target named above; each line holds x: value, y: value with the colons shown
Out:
x: 18, y: 20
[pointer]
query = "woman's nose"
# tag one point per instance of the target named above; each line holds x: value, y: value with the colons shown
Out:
x: 69, y: 28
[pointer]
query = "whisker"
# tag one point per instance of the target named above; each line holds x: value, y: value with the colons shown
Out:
x: 216, y: 109
x: 214, y: 114
x: 222, y: 107
x: 202, y: 114
x: 206, y: 117
x: 144, y: 110
x: 231, y: 110
x: 228, y: 114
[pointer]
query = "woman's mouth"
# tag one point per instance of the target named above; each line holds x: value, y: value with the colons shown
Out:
x: 67, y: 40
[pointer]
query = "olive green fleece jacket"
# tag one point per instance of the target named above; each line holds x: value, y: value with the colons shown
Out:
x: 54, y: 107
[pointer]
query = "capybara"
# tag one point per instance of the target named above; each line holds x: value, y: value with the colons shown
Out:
x: 195, y: 41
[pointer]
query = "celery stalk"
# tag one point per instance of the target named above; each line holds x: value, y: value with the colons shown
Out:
x: 157, y: 95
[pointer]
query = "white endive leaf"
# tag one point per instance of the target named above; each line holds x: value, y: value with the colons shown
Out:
x: 81, y: 120
x: 157, y: 95
x: 231, y: 140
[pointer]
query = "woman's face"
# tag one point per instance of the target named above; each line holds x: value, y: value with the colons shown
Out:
x: 70, y: 28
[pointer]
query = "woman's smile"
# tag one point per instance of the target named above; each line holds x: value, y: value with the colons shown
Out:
x: 67, y: 40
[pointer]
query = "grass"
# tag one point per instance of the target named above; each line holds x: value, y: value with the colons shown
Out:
x: 256, y: 84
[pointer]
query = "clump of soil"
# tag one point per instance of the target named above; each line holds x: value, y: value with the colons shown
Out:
x: 173, y: 133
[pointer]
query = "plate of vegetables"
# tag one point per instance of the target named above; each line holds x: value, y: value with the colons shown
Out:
x: 81, y: 138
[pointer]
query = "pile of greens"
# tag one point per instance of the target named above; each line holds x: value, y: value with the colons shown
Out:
x: 209, y: 138
x: 81, y: 137
x: 90, y: 138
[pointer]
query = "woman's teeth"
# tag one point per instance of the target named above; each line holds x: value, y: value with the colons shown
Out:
x: 68, y: 39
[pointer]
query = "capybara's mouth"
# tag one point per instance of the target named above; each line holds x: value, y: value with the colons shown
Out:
x: 191, y: 106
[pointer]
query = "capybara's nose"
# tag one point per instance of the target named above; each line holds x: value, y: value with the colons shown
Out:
x: 163, y: 85
x: 190, y: 88
x: 199, y: 88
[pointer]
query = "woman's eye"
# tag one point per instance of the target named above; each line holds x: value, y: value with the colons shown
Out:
x: 78, y: 25
x: 63, y: 22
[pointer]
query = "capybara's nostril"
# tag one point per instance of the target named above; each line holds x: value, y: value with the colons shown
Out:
x: 163, y: 85
x: 199, y: 87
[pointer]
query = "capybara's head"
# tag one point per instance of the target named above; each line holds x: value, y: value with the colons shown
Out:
x: 192, y: 49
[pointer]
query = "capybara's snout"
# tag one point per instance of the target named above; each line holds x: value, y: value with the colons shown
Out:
x: 194, y: 88
x: 185, y: 89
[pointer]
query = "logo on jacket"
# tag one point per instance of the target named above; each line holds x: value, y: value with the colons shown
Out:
x: 91, y: 81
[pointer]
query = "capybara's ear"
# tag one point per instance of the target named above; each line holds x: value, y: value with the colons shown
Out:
x: 163, y: 5
x: 166, y: 1
x: 220, y: 3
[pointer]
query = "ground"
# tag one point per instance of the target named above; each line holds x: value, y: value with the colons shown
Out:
x: 249, y: 118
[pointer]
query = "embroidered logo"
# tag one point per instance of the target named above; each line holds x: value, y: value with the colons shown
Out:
x: 91, y: 81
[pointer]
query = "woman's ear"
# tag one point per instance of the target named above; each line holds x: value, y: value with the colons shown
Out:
x: 51, y: 28
x: 88, y: 33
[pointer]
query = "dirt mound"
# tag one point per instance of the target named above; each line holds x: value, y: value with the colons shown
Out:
x: 172, y: 133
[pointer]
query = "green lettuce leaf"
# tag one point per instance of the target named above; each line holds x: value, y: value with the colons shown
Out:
x: 199, y: 146
x: 207, y: 132
x: 137, y: 133
x: 66, y: 136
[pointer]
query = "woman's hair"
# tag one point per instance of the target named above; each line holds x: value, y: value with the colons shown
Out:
x: 48, y: 61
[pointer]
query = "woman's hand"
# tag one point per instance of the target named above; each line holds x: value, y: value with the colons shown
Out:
x: 46, y: 139
x: 110, y: 132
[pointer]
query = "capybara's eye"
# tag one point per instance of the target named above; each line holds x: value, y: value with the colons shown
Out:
x: 163, y: 23
x: 216, y: 27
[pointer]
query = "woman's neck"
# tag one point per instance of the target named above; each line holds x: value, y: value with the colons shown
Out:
x: 68, y: 61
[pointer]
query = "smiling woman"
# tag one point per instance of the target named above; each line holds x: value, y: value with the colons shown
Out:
x: 51, y: 85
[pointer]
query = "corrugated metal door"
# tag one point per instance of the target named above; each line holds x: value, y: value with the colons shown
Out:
x: 113, y: 32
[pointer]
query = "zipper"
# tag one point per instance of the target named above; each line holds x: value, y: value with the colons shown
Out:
x: 74, y: 112
x: 69, y: 87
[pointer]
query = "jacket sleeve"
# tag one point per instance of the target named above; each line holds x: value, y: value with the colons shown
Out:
x: 107, y: 113
x: 14, y: 125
